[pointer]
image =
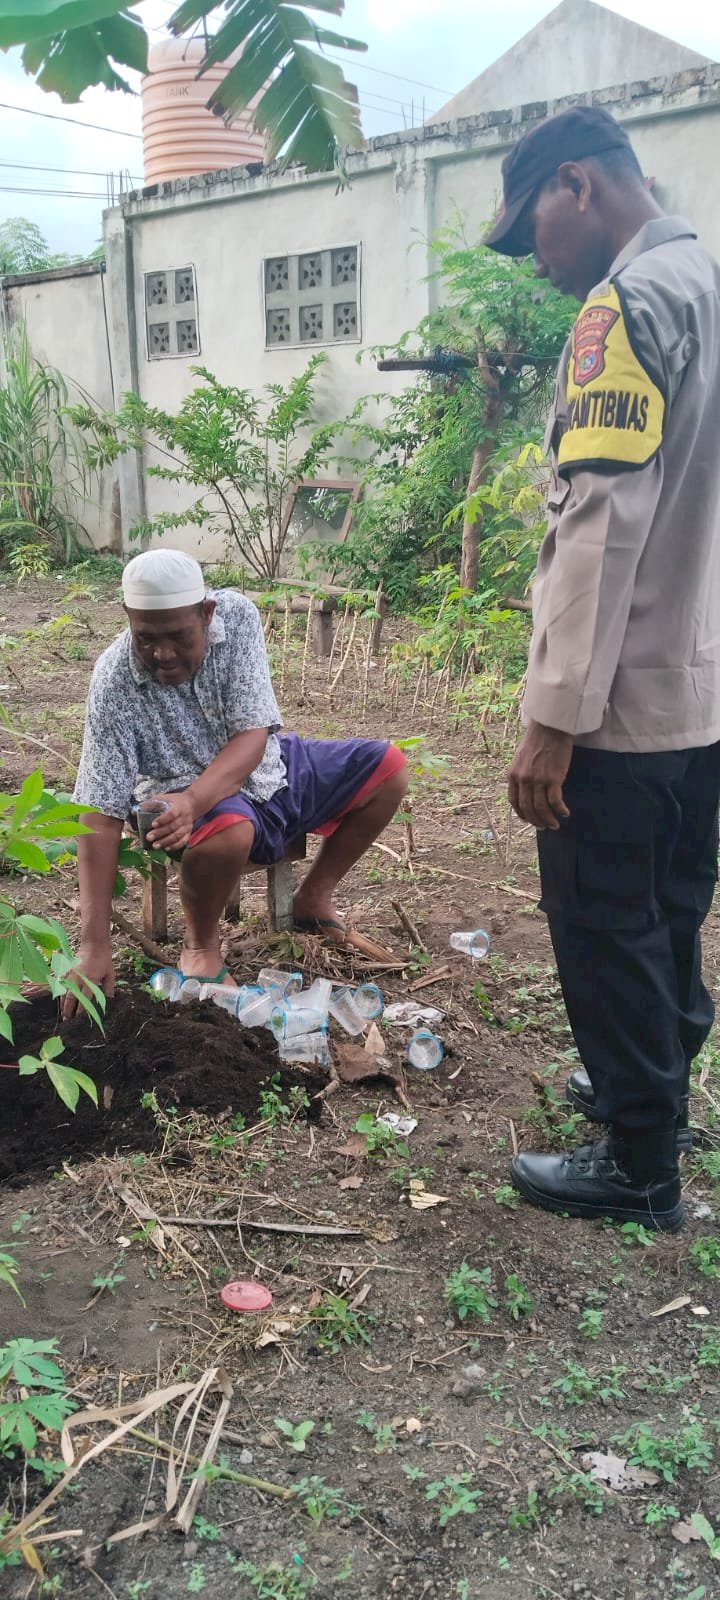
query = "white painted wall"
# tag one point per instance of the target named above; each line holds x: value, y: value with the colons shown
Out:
x: 64, y: 315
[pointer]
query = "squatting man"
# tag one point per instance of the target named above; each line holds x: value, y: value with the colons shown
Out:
x: 181, y: 709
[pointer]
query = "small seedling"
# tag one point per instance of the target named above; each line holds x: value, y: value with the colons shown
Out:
x: 467, y: 1291
x: 577, y: 1385
x: 689, y: 1449
x: 454, y: 1495
x: 205, y: 1530
x: 197, y: 1580
x: 526, y: 1516
x: 9, y: 1269
x: 338, y: 1324
x: 505, y: 1195
x: 137, y: 1588
x: 657, y: 1516
x: 637, y: 1233
x: 380, y: 1140
x: 382, y: 1433
x: 709, y: 1352
x: 321, y: 1503
x: 518, y: 1298
x: 705, y: 1256
x: 707, y: 1534
x: 590, y: 1324
x: 108, y: 1280
x: 297, y: 1433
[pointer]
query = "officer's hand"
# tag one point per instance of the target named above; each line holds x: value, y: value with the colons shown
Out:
x: 172, y: 829
x: 537, y: 774
x: 94, y: 961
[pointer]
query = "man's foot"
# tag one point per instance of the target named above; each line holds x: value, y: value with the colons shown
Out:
x: 632, y: 1179
x: 580, y: 1094
x: 313, y: 914
x: 205, y: 964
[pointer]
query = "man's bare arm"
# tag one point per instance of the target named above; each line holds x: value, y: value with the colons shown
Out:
x: 97, y: 868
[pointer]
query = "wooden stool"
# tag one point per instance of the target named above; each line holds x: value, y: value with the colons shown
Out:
x: 279, y: 894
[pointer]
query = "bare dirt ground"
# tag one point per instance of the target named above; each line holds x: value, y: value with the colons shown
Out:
x: 449, y: 1455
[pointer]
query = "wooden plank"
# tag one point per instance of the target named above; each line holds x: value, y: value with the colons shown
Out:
x: 322, y: 629
x: 154, y: 902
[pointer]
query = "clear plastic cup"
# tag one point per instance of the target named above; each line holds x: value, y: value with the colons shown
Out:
x: 343, y: 1008
x: 253, y: 1010
x: 283, y: 983
x: 190, y: 989
x: 311, y: 1049
x: 288, y: 1022
x: 167, y: 981
x: 147, y: 813
x: 475, y: 944
x: 317, y: 997
x: 221, y: 995
x: 425, y: 1051
x: 368, y: 1000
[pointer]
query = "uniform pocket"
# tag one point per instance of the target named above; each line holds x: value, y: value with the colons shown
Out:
x: 598, y: 868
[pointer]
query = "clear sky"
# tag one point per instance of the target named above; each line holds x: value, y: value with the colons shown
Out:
x: 420, y: 53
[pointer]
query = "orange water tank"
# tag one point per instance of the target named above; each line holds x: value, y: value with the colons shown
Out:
x: 180, y: 136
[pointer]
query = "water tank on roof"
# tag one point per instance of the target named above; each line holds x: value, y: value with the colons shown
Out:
x: 180, y: 136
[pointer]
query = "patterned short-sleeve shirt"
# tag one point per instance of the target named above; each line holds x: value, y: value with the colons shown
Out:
x: 143, y: 737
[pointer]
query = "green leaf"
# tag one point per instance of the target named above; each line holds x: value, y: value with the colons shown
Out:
x: 29, y: 1065
x: 27, y: 855
x: 30, y: 795
x: 22, y: 20
x: 68, y: 1082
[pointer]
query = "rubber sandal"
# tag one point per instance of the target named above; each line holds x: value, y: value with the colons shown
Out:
x: 318, y: 924
x: 201, y: 977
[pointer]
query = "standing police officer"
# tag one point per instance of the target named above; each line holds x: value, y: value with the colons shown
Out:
x: 619, y: 767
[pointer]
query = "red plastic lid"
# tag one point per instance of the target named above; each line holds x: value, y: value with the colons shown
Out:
x: 245, y: 1296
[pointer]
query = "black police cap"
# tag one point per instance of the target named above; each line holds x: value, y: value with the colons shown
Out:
x: 568, y: 136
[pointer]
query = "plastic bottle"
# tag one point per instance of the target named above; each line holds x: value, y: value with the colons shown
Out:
x: 368, y: 1000
x: 282, y: 983
x: 475, y: 944
x: 167, y: 981
x: 425, y: 1051
x: 289, y: 1022
x: 343, y: 1008
x: 310, y: 1048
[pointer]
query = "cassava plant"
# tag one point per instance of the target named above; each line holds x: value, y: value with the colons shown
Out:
x: 244, y: 454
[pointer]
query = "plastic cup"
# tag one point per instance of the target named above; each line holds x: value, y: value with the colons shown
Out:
x: 254, y: 1007
x: 343, y: 1008
x: 311, y: 1049
x: 475, y: 944
x: 190, y: 989
x: 288, y: 1022
x: 167, y: 981
x: 425, y: 1051
x: 283, y: 983
x: 221, y: 995
x: 145, y: 815
x: 368, y: 1000
x: 317, y: 997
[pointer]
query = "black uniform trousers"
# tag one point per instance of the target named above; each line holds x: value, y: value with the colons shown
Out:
x: 627, y: 882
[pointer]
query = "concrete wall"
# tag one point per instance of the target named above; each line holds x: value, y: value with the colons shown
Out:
x: 64, y: 312
x: 402, y: 187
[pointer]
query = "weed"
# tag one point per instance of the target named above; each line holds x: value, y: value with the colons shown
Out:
x: 466, y: 1291
x: 197, y: 1579
x: 382, y: 1433
x: 454, y: 1495
x: 709, y: 1352
x: 320, y: 1502
x: 707, y: 1534
x: 108, y: 1280
x: 591, y: 1321
x: 577, y: 1486
x: 657, y: 1516
x: 577, y: 1385
x: 338, y: 1324
x: 518, y: 1299
x: 689, y: 1449
x: 380, y: 1140
x: 527, y: 1515
x: 705, y: 1256
x: 296, y: 1433
x: 505, y: 1195
x: 637, y: 1233
x: 273, y: 1108
x: 18, y: 1223
x: 32, y: 1394
x: 137, y: 1588
x: 9, y: 1269
x: 275, y: 1582
x: 205, y: 1530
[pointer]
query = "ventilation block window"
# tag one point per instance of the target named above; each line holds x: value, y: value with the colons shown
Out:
x: 171, y: 323
x: 313, y: 298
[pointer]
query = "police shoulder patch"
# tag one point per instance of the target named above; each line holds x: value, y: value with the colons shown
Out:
x: 615, y: 409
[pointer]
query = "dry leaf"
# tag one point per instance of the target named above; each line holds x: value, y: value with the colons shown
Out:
x: 612, y: 1469
x: 375, y: 1045
x: 422, y: 1201
x: 275, y: 1332
x: 672, y: 1305
x: 360, y: 1298
x: 700, y: 1311
x: 413, y: 1425
x: 107, y: 1096
x: 684, y: 1532
x: 353, y: 1182
x: 354, y: 1147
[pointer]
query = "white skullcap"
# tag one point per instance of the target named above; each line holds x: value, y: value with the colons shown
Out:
x: 162, y: 580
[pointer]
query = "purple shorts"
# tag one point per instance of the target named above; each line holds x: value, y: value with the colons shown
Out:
x: 325, y: 778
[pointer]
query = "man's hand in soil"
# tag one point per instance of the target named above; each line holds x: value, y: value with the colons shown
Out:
x: 537, y: 774
x: 173, y: 828
x: 94, y: 961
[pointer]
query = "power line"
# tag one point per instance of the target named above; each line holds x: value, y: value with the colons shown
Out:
x: 58, y: 194
x: 52, y: 116
x: 360, y: 66
x: 75, y: 172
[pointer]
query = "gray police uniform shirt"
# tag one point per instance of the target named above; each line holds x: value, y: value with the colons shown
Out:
x: 144, y: 738
x: 625, y: 651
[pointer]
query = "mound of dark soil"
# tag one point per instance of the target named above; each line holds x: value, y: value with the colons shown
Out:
x: 195, y: 1057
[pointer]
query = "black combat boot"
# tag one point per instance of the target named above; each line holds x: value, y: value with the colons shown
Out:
x: 580, y: 1094
x: 631, y: 1176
